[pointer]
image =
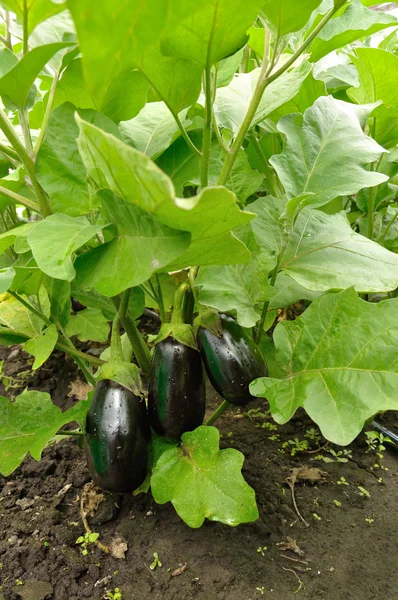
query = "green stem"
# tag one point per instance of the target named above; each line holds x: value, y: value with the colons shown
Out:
x: 8, y: 30
x: 19, y: 199
x: 25, y: 22
x: 47, y: 113
x: 160, y: 300
x: 217, y: 132
x: 387, y: 229
x: 206, y: 143
x: 268, y: 172
x: 185, y: 134
x: 5, y: 42
x: 31, y: 308
x: 27, y: 161
x: 9, y: 152
x: 218, y: 412
x: 80, y: 363
x: 263, y: 81
x: 79, y: 433
x: 116, y: 343
x: 246, y: 59
x: 260, y: 329
x: 24, y: 120
x: 140, y: 349
x: 75, y: 353
x: 177, y: 316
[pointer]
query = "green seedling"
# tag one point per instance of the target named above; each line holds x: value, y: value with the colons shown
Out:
x: 85, y: 540
x: 262, y: 549
x: 342, y: 481
x: 115, y: 595
x: 295, y: 445
x: 363, y: 492
x: 156, y: 562
x: 376, y: 443
x: 341, y: 456
x: 261, y: 590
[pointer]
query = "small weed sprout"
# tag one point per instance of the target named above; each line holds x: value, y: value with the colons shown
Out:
x: 342, y: 481
x: 262, y: 550
x: 156, y: 562
x: 363, y: 492
x: 295, y: 445
x: 341, y: 456
x: 376, y: 442
x: 115, y: 595
x: 85, y: 540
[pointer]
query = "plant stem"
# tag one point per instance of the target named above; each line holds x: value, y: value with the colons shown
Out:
x: 263, y: 81
x: 185, y: 134
x: 246, y: 59
x: 79, y: 433
x: 260, y: 329
x: 206, y: 143
x: 8, y: 32
x: 24, y: 120
x: 160, y: 300
x: 218, y: 412
x: 9, y: 152
x: 27, y: 161
x: 116, y: 344
x: 217, y: 132
x: 5, y: 42
x: 387, y: 229
x: 140, y: 349
x: 177, y: 315
x: 74, y: 352
x: 25, y: 27
x: 80, y: 363
x: 47, y: 113
x: 20, y: 199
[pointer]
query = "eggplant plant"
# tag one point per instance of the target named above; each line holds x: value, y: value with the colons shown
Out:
x: 246, y: 149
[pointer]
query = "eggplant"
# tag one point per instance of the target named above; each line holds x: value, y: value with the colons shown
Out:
x: 176, y: 393
x: 232, y: 361
x: 117, y: 438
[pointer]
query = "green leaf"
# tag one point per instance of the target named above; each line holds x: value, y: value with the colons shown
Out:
x: 310, y: 90
x: 127, y: 350
x: 54, y: 241
x: 125, y: 373
x: 8, y: 60
x: 325, y: 253
x: 88, y: 325
x: 8, y: 238
x: 231, y: 102
x: 153, y: 130
x: 141, y: 246
x: 123, y: 100
x: 59, y: 167
x: 28, y: 424
x: 355, y: 23
x: 16, y: 83
x: 341, y: 362
x: 6, y: 278
x: 317, y: 144
x: 94, y: 299
x: 59, y: 293
x: 132, y: 31
x: 202, y: 481
x: 38, y: 10
x: 15, y: 316
x: 339, y: 77
x: 378, y: 77
x: 213, y: 30
x: 286, y: 16
x: 239, y: 288
x: 42, y: 345
x: 288, y: 291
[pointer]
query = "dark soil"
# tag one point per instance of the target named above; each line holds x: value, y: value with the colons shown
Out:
x: 347, y: 552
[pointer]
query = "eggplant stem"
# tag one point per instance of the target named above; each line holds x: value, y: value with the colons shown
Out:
x: 218, y: 412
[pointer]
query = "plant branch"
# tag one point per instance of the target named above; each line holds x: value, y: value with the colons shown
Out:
x: 382, y: 237
x: 217, y: 132
x: 263, y: 81
x: 78, y: 360
x: 185, y: 134
x: 5, y: 42
x: 160, y: 300
x: 206, y: 142
x: 24, y: 120
x: 267, y: 170
x: 31, y: 308
x: 140, y: 348
x: 27, y: 161
x: 218, y: 412
x: 25, y: 20
x: 67, y: 432
x: 20, y: 199
x: 9, y: 152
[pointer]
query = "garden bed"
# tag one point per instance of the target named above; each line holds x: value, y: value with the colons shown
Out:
x: 346, y: 552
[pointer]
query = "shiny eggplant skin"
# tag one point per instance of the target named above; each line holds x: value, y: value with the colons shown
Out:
x: 232, y: 361
x: 176, y: 393
x: 117, y: 438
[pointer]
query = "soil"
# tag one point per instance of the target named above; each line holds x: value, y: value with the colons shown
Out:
x: 348, y: 550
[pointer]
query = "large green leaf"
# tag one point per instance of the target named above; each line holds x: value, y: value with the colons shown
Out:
x: 89, y: 325
x: 286, y: 16
x: 38, y: 10
x: 213, y: 30
x: 59, y: 167
x: 59, y: 293
x: 341, y: 363
x: 153, y: 130
x: 142, y: 246
x: 123, y: 100
x: 202, y: 481
x: 42, y: 345
x: 132, y: 31
x: 378, y: 77
x: 231, y: 102
x: 356, y: 22
x: 325, y: 253
x: 328, y: 136
x: 29, y: 423
x: 54, y: 241
x: 6, y: 278
x: 17, y: 82
x: 14, y: 315
x: 242, y: 289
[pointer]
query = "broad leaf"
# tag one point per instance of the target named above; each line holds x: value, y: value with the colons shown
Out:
x: 202, y: 481
x: 42, y: 345
x: 88, y: 325
x: 38, y: 10
x: 6, y: 278
x: 317, y: 144
x: 54, y: 241
x: 325, y: 253
x: 16, y: 83
x: 59, y: 167
x: 59, y: 293
x: 286, y: 16
x: 15, y: 316
x: 288, y: 291
x: 153, y: 130
x: 142, y: 246
x: 356, y: 22
x: 378, y: 77
x: 28, y: 424
x: 132, y: 32
x: 341, y: 363
x: 212, y: 31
